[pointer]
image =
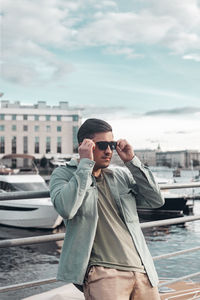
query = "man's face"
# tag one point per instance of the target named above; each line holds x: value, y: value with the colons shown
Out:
x: 102, y: 157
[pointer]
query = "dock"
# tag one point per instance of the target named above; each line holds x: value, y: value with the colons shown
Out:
x: 65, y: 292
x: 183, y: 290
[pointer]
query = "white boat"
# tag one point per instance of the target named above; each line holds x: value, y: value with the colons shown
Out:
x: 26, y: 213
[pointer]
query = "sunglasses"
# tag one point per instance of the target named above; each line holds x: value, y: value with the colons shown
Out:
x: 104, y: 145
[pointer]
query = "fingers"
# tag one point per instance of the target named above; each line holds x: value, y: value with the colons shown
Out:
x: 121, y: 144
x: 87, y: 143
x: 124, y: 150
x: 86, y: 149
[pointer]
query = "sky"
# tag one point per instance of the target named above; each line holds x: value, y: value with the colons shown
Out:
x: 133, y: 63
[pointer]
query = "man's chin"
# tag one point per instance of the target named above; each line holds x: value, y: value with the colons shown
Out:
x: 105, y: 165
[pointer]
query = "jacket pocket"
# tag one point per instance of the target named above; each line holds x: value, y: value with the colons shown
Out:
x: 129, y: 206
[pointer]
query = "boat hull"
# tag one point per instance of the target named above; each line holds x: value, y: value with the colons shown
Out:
x: 32, y: 213
x: 175, y: 206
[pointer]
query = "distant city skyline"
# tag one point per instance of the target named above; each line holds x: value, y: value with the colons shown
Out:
x: 137, y: 64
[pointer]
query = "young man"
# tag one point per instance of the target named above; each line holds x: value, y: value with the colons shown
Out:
x: 104, y: 249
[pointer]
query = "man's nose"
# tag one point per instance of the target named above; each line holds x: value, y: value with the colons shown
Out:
x: 108, y: 149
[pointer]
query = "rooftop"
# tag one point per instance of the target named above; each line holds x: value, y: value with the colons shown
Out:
x: 39, y: 105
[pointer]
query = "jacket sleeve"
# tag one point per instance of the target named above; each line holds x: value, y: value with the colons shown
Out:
x: 147, y: 191
x: 67, y: 188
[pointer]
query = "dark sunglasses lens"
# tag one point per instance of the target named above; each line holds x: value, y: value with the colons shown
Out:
x: 104, y: 145
x: 114, y: 145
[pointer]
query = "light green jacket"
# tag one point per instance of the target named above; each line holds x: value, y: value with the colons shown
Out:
x: 74, y: 195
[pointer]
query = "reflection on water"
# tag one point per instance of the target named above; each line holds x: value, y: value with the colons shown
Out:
x: 175, y: 238
x: 28, y: 263
x: 178, y: 238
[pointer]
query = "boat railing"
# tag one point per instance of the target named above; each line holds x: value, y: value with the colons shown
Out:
x: 60, y: 236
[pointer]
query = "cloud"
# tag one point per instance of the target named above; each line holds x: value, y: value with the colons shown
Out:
x: 106, y: 4
x: 35, y: 32
x: 184, y: 35
x: 126, y: 28
x: 177, y: 132
x: 186, y: 12
x: 192, y: 56
x: 174, y: 111
x: 153, y: 141
x: 174, y: 25
x: 170, y: 133
x: 105, y: 112
x: 29, y: 30
x: 127, y: 52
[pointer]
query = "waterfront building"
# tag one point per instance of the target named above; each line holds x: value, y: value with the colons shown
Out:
x: 171, y: 159
x: 38, y: 129
x: 192, y: 158
x: 147, y: 156
x: 178, y: 159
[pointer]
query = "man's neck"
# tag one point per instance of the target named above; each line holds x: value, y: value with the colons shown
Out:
x: 96, y: 173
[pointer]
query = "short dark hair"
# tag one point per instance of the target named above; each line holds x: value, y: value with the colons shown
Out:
x: 90, y: 127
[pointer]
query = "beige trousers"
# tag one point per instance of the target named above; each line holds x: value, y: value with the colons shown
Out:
x: 111, y: 284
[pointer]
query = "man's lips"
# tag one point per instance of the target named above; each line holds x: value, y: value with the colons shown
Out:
x: 106, y: 157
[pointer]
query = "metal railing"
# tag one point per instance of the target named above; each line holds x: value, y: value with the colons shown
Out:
x: 46, y: 193
x: 60, y: 236
x: 24, y: 195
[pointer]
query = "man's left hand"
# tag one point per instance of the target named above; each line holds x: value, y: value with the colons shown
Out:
x: 124, y: 150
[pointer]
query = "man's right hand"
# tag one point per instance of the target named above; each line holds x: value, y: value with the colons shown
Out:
x: 86, y: 148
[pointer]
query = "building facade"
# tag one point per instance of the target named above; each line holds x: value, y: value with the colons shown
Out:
x: 171, y: 159
x: 178, y: 159
x: 147, y: 156
x: 38, y: 129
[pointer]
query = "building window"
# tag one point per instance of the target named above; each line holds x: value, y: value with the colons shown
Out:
x: 58, y: 118
x: 25, y: 139
x: 48, y: 144
x: 14, y: 144
x: 36, y: 128
x: 2, y: 144
x: 59, y: 128
x: 48, y: 118
x: 2, y: 127
x: 14, y: 117
x: 14, y: 127
x: 25, y: 128
x: 25, y: 117
x: 36, y: 117
x: 48, y: 128
x: 59, y: 144
x: 2, y: 116
x: 37, y: 144
x: 75, y: 141
x: 75, y: 117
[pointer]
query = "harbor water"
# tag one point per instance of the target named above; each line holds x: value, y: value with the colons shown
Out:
x: 35, y: 262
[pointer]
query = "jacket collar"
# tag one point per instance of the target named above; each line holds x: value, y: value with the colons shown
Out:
x: 74, y: 163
